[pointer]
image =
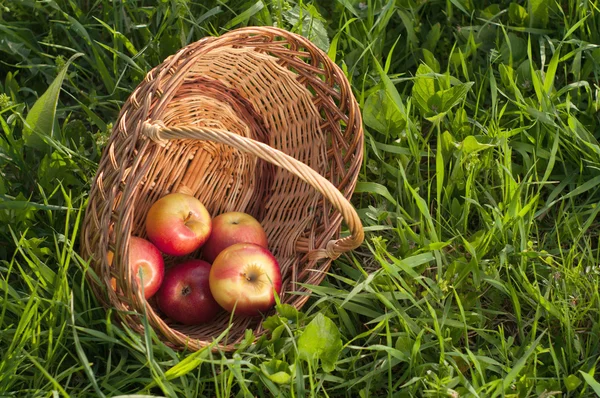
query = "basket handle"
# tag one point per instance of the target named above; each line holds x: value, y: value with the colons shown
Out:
x: 159, y: 133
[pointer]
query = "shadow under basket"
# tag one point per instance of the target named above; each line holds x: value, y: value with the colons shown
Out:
x: 258, y: 120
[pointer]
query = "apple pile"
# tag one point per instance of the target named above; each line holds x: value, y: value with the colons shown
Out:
x: 236, y: 271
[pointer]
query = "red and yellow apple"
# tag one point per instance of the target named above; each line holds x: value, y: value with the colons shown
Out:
x: 143, y: 256
x: 231, y: 228
x: 185, y: 295
x: 178, y: 224
x: 244, y: 277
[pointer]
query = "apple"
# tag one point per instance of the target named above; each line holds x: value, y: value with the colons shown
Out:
x: 185, y: 294
x: 230, y: 228
x: 178, y: 224
x: 143, y: 256
x: 244, y: 277
x: 113, y: 281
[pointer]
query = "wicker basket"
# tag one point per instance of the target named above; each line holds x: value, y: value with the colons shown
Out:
x: 257, y: 120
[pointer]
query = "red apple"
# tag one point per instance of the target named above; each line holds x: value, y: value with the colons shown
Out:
x: 230, y: 228
x: 244, y: 276
x: 178, y: 224
x: 185, y: 294
x: 143, y: 256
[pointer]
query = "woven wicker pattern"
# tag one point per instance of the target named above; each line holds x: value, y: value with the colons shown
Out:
x: 258, y: 120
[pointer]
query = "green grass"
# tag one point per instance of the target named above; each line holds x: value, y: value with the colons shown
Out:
x: 480, y: 272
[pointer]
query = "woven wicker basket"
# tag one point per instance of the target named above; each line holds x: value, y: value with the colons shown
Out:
x: 257, y: 120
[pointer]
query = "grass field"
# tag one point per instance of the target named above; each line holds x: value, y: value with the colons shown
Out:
x: 479, y: 275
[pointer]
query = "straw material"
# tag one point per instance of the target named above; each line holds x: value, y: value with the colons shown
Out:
x: 258, y: 120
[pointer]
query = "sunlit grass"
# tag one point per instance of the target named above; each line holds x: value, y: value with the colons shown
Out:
x: 479, y: 194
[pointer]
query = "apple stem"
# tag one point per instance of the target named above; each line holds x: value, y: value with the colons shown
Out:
x: 190, y: 214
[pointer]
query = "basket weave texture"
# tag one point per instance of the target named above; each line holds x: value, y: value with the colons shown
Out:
x: 257, y: 120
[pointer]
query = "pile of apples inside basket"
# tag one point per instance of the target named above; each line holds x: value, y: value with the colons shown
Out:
x: 236, y: 272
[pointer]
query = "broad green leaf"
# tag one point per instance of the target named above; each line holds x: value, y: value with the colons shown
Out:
x: 513, y: 50
x: 433, y: 37
x: 278, y: 371
x: 430, y: 60
x: 55, y: 168
x: 321, y: 340
x: 538, y: 12
x: 444, y: 100
x: 456, y: 208
x: 589, y: 379
x: 40, y: 119
x: 404, y: 344
x: 518, y: 15
x: 381, y: 113
x: 18, y: 41
x: 491, y: 11
x: 272, y: 322
x: 424, y: 88
x: 448, y: 145
x: 435, y: 117
x: 471, y: 145
x: 289, y: 312
x: 572, y: 382
x: 524, y: 76
x: 390, y: 89
x: 460, y: 123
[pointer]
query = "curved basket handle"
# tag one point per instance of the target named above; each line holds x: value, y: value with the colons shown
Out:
x: 159, y: 133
